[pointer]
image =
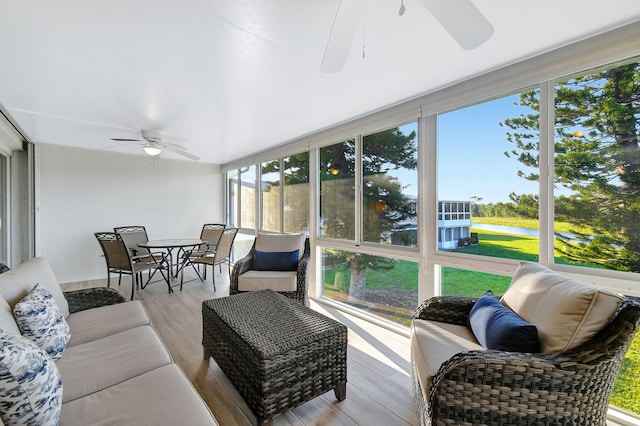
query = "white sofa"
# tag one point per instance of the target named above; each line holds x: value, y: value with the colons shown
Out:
x: 583, y: 333
x: 115, y: 369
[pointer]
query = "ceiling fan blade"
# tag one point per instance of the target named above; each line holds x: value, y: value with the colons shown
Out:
x: 462, y: 20
x: 344, y: 27
x: 181, y: 152
x: 175, y: 145
x: 125, y: 140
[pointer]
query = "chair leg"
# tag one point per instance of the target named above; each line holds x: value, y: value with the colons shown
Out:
x: 108, y: 279
x: 213, y: 275
x: 134, y: 281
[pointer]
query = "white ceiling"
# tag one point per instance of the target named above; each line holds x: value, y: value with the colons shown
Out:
x: 226, y: 78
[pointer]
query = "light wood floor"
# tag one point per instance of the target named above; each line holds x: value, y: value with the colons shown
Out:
x: 378, y: 382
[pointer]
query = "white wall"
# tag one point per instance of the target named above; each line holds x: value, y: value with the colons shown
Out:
x: 81, y: 191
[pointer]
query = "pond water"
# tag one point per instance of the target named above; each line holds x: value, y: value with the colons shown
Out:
x: 515, y: 230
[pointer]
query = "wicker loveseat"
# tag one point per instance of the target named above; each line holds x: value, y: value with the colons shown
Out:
x: 457, y: 381
x: 114, y: 369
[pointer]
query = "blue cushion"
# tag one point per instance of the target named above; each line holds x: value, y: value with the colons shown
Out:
x: 30, y: 384
x: 40, y: 320
x: 275, y: 260
x: 497, y: 327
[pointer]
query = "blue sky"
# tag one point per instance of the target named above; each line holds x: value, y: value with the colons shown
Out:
x: 471, y: 154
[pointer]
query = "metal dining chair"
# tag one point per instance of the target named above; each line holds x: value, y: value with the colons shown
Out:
x: 218, y: 256
x: 132, y: 236
x: 120, y: 260
x: 210, y: 233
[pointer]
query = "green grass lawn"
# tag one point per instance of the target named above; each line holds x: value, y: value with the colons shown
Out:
x: 460, y: 282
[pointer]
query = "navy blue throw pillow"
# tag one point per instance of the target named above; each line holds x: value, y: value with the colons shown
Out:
x: 498, y: 327
x: 275, y: 260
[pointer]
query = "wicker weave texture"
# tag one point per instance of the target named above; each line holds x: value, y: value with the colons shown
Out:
x: 277, y: 353
x: 301, y: 294
x: 80, y: 300
x: 507, y: 388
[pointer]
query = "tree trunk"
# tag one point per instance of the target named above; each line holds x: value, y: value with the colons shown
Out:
x: 358, y: 282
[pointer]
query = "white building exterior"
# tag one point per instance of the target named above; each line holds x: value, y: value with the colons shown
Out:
x: 454, y: 223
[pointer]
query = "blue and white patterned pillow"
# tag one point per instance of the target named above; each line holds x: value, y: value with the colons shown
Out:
x: 30, y: 383
x: 40, y: 320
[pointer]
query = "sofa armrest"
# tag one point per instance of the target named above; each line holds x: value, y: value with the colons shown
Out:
x: 449, y: 309
x: 80, y: 300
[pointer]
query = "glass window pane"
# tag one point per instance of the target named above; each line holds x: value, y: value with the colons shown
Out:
x: 597, y: 169
x: 232, y: 193
x: 242, y: 245
x: 248, y: 197
x: 462, y: 282
x: 597, y: 180
x: 383, y: 286
x: 487, y: 178
x: 390, y: 186
x: 4, y: 228
x: 270, y: 184
x: 296, y: 193
x: 337, y: 190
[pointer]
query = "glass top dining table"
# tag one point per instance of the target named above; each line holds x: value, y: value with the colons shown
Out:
x: 181, y: 244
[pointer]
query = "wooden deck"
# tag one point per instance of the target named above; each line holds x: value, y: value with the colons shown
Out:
x: 378, y: 388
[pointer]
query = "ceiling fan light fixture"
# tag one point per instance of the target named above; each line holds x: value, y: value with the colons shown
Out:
x: 152, y: 150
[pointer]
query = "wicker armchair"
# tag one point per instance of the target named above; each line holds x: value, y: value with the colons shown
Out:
x: 301, y: 294
x: 505, y: 388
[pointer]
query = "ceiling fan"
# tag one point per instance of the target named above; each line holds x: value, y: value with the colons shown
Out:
x: 153, y: 145
x: 460, y: 18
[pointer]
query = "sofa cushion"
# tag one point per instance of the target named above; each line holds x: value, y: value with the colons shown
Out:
x: 96, y: 365
x: 175, y: 402
x: 30, y: 384
x: 281, y: 242
x: 566, y: 312
x: 16, y: 283
x: 433, y: 343
x: 276, y: 260
x: 498, y: 327
x: 40, y: 320
x: 274, y: 280
x: 7, y: 321
x: 92, y: 324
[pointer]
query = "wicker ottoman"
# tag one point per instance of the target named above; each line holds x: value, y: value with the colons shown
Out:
x: 277, y: 353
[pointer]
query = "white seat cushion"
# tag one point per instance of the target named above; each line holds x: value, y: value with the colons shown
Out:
x: 273, y: 280
x: 433, y: 343
x: 96, y: 323
x: 96, y: 365
x: 174, y: 402
x: 566, y: 312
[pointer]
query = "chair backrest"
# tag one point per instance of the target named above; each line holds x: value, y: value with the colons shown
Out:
x: 225, y: 243
x: 114, y: 249
x: 211, y: 233
x: 132, y: 236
